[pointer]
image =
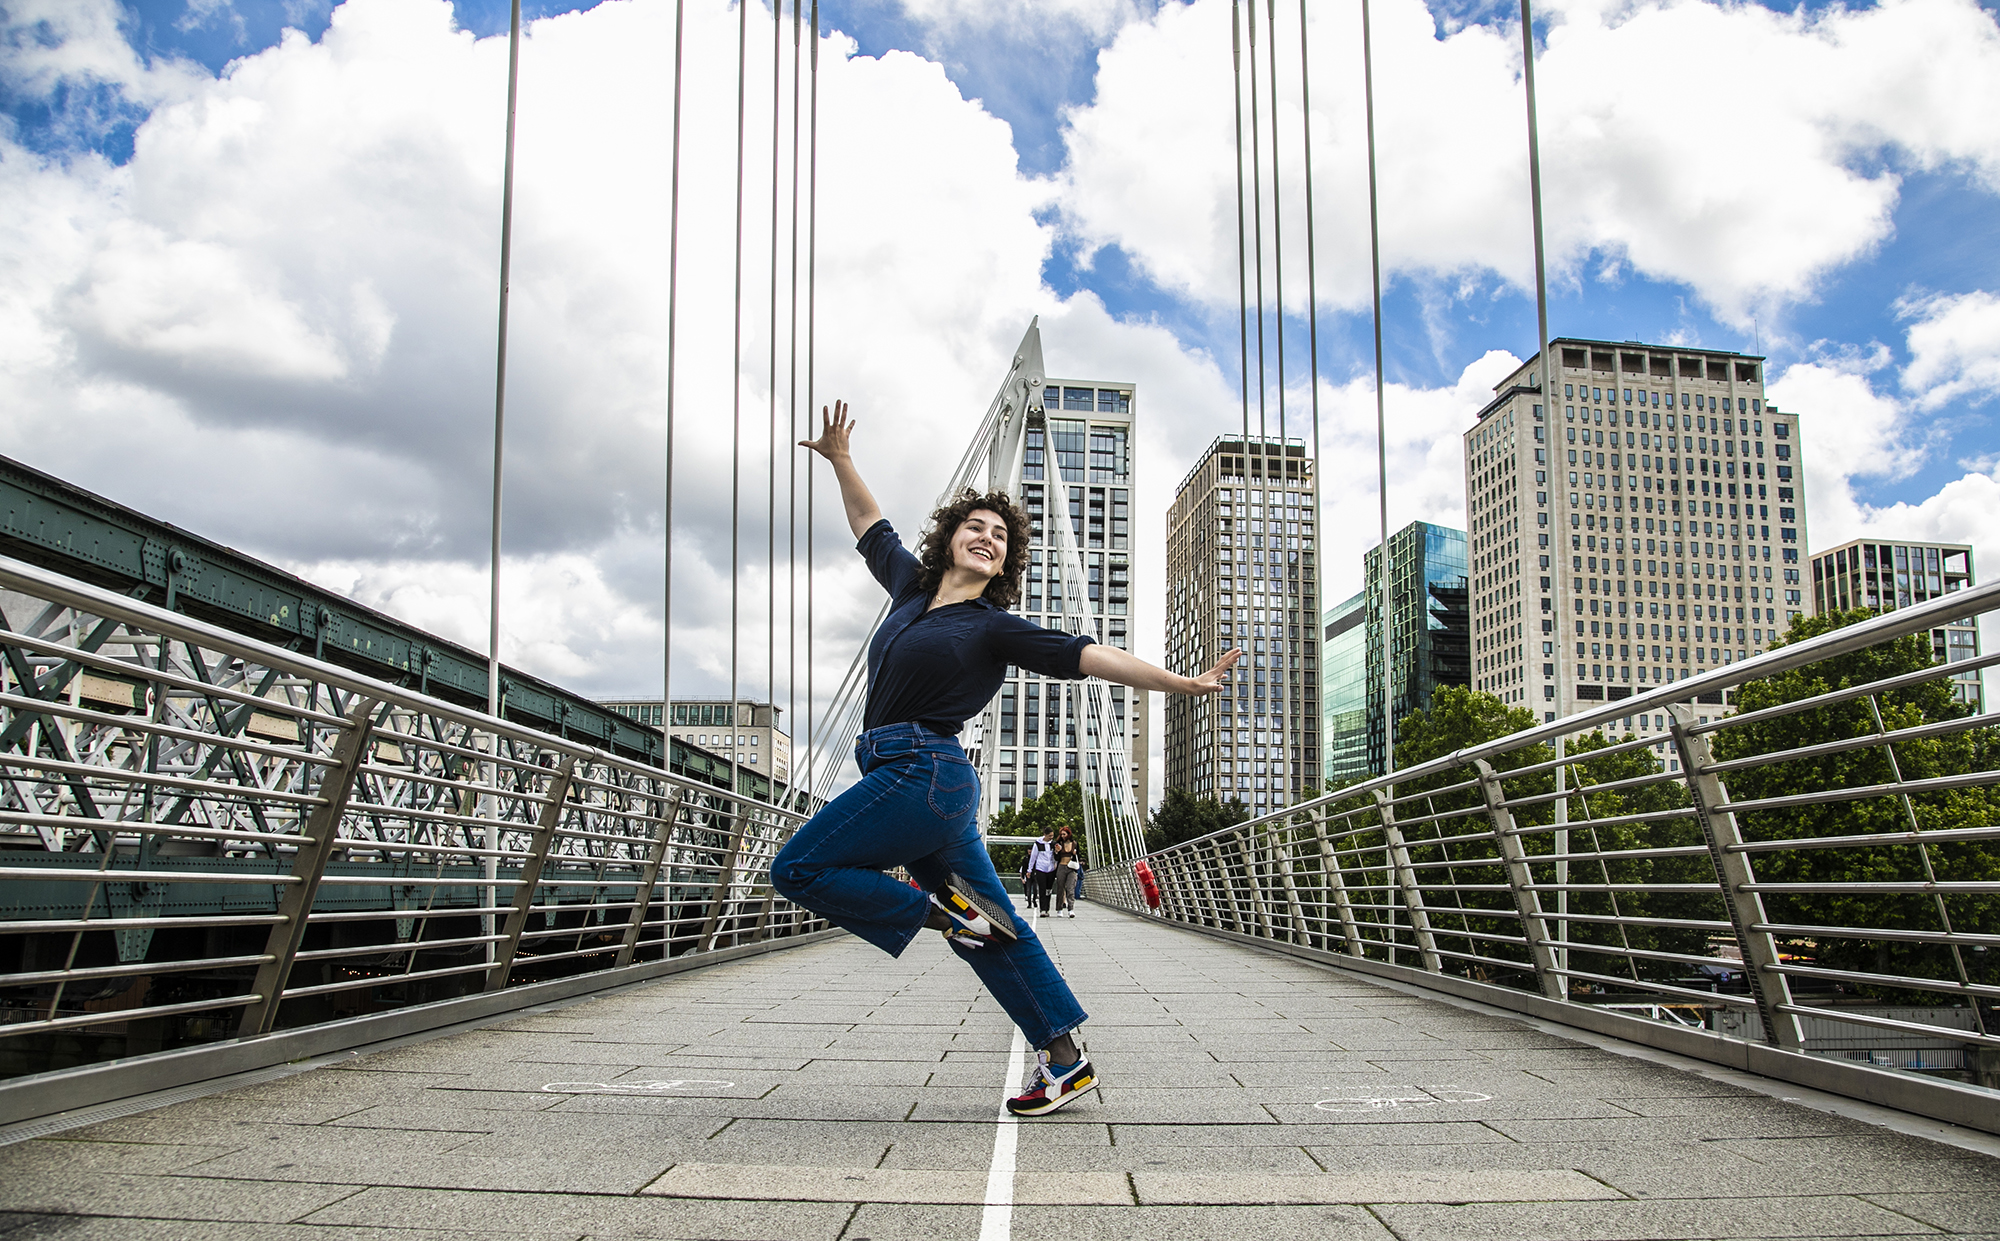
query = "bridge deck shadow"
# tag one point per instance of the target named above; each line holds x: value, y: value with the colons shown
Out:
x: 831, y: 1093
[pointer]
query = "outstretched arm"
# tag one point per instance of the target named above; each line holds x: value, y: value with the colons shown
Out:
x: 836, y: 432
x: 1112, y: 664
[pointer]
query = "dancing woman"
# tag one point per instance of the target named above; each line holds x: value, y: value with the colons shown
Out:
x: 937, y: 660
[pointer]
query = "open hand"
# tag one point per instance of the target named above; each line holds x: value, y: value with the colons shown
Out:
x: 836, y: 430
x: 1211, y: 681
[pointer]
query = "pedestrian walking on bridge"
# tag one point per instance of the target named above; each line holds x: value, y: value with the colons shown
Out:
x: 937, y: 659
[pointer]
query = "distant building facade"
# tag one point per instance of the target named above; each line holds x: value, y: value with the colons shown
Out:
x: 1242, y: 571
x: 1344, y: 696
x: 747, y: 729
x: 1427, y: 625
x: 1887, y: 575
x: 1645, y: 526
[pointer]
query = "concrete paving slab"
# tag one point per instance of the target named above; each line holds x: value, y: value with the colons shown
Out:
x: 587, y: 1214
x: 819, y: 1184
x: 1523, y: 1185
x: 1683, y: 1219
x: 97, y: 1192
x: 1259, y: 1223
x: 1958, y: 1210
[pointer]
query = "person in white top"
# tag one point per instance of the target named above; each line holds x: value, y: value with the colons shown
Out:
x: 1039, y: 876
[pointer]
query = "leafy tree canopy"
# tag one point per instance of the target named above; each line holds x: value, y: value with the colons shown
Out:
x: 1183, y: 816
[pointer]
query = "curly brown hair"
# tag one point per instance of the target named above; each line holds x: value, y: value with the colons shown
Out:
x: 934, y: 552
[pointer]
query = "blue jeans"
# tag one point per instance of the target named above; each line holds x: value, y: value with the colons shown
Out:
x: 914, y: 807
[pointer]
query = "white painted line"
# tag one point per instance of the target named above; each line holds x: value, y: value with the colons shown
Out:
x: 634, y: 1087
x: 996, y: 1223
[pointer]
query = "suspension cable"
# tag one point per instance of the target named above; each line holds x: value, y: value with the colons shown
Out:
x: 500, y: 364
x: 812, y: 274
x: 792, y: 421
x: 1381, y: 432
x: 1312, y: 276
x: 1277, y: 232
x: 673, y: 311
x: 771, y: 417
x: 1257, y: 246
x: 1242, y: 257
x: 736, y: 401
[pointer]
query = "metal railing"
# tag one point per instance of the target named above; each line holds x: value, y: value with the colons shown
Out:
x: 1803, y: 842
x: 205, y: 836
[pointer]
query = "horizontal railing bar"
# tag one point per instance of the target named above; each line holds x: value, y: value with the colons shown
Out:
x: 1689, y: 924
x: 364, y: 844
x: 146, y: 726
x: 1881, y: 887
x: 1948, y: 986
x: 113, y: 875
x: 104, y: 778
x: 396, y: 949
x: 140, y: 827
x: 1786, y: 930
x: 1890, y: 1023
x: 369, y: 809
x: 415, y: 881
x: 1866, y: 741
x: 1713, y: 999
x: 381, y: 980
x: 126, y: 670
x: 192, y: 921
x: 129, y: 971
x: 411, y: 775
x: 1833, y: 698
x: 379, y: 915
x: 524, y: 958
x: 1868, y: 838
x: 10, y: 1029
x: 1821, y: 797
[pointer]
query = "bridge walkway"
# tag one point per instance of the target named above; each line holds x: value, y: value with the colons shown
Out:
x: 829, y: 1093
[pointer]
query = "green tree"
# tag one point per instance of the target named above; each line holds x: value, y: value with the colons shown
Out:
x: 1183, y: 816
x: 1058, y: 804
x: 1947, y: 753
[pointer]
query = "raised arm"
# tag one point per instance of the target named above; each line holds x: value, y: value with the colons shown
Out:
x: 836, y: 431
x: 1112, y: 664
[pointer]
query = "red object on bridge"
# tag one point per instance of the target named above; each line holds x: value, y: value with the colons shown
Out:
x: 1147, y: 884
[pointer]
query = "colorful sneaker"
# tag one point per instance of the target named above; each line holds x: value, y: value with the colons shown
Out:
x: 1053, y: 1087
x: 972, y: 913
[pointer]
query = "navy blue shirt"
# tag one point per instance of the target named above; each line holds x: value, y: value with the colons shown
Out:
x: 939, y: 667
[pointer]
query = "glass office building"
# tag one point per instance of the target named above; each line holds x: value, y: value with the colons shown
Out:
x: 1344, y: 701
x: 1429, y: 623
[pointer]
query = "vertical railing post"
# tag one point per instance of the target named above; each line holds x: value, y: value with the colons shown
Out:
x: 1336, y: 882
x: 1222, y: 877
x: 336, y: 785
x: 725, y: 878
x: 649, y: 875
x: 1734, y: 877
x: 1296, y: 917
x: 531, y: 875
x: 1406, y: 881
x: 1527, y: 902
x: 1254, y: 882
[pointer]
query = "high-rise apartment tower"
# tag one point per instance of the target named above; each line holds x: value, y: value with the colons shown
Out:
x: 1242, y: 570
x: 1084, y: 449
x: 1644, y: 524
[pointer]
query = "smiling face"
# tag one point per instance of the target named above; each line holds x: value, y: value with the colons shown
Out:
x: 979, y: 545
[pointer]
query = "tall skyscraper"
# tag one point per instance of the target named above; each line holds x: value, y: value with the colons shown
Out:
x: 1645, y: 526
x: 1344, y: 700
x: 1869, y: 573
x: 1241, y: 572
x: 1428, y: 624
x: 1078, y: 457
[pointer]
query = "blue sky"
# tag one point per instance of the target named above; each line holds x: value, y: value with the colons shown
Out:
x: 1946, y: 235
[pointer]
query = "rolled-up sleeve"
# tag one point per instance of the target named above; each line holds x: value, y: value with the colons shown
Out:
x: 1050, y: 652
x: 891, y: 563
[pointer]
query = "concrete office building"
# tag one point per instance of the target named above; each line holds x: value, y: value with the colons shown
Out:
x: 749, y: 729
x: 1345, y: 696
x: 1644, y: 526
x: 1428, y: 625
x: 1871, y: 573
x: 1044, y: 733
x: 1242, y: 571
